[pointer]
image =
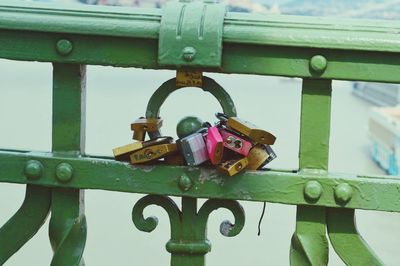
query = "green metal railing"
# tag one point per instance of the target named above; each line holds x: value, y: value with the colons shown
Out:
x: 206, y: 38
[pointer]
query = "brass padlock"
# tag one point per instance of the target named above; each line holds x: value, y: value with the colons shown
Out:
x: 247, y: 129
x: 152, y: 153
x: 259, y: 156
x: 232, y: 167
x: 250, y: 130
x: 150, y: 125
x: 122, y: 153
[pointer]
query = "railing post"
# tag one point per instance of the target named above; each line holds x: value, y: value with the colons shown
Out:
x: 193, y: 247
x: 67, y: 225
x: 309, y: 243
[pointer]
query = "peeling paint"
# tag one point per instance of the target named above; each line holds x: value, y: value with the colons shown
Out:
x: 244, y: 194
x: 209, y: 174
x: 226, y: 227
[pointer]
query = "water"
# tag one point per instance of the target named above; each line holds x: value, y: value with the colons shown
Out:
x: 116, y: 96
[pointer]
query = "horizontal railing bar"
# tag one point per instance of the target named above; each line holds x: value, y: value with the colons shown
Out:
x: 279, y: 187
x: 237, y: 58
x: 81, y: 19
x: 243, y: 28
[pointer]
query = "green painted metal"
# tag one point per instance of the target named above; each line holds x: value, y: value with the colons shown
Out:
x: 209, y: 85
x: 188, y: 244
x: 67, y: 229
x: 294, y: 31
x: 309, y: 243
x: 26, y: 221
x: 191, y: 34
x: 188, y: 125
x: 315, y: 49
x: 315, y: 123
x: 253, y: 44
x: 346, y: 241
x: 68, y: 86
x: 370, y: 192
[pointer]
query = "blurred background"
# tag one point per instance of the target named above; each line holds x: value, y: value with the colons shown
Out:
x: 364, y: 139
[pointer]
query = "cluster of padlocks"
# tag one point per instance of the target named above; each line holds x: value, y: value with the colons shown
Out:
x: 231, y: 144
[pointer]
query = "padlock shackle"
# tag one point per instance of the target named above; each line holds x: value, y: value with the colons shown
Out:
x: 209, y: 85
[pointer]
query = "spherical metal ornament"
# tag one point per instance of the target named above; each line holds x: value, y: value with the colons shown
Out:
x: 188, y: 125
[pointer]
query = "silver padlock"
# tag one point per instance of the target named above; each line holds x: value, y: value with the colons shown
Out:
x: 194, y: 149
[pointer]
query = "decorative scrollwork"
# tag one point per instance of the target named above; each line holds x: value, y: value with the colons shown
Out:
x: 150, y: 223
x: 226, y: 228
x: 188, y: 241
x: 30, y: 217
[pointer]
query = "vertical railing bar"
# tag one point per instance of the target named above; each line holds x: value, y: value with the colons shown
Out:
x: 67, y: 229
x: 309, y: 243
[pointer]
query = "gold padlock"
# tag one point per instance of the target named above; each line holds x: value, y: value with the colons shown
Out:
x: 232, y: 167
x: 142, y: 125
x: 259, y: 156
x: 122, y: 153
x: 250, y: 130
x: 152, y: 153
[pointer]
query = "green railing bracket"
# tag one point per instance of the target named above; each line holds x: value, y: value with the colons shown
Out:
x: 191, y: 35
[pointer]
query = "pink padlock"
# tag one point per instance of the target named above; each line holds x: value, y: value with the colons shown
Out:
x: 235, y: 142
x: 215, y: 145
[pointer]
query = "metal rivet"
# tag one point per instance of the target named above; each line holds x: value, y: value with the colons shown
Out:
x: 64, y: 172
x: 318, y: 63
x: 312, y: 190
x: 185, y: 183
x: 188, y: 53
x: 33, y: 169
x: 343, y: 193
x: 64, y: 47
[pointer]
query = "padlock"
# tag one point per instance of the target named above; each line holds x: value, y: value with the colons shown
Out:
x: 194, y: 149
x: 152, y: 153
x: 235, y: 142
x: 250, y: 130
x: 122, y: 153
x: 215, y: 145
x: 150, y: 125
x: 247, y: 129
x: 232, y: 167
x: 259, y: 156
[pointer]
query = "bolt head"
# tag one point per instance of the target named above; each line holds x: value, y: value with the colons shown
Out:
x: 343, y: 193
x: 185, y: 183
x: 318, y: 63
x: 64, y: 172
x: 188, y: 54
x: 33, y: 169
x: 64, y: 47
x: 313, y: 190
